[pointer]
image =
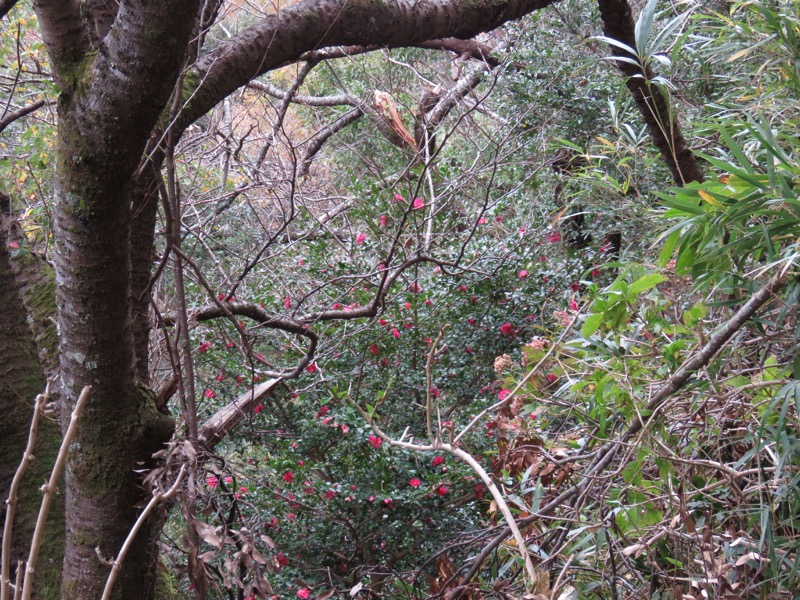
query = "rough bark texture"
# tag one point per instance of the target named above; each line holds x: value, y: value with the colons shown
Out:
x: 109, y: 103
x: 313, y: 24
x: 661, y: 122
x: 21, y: 379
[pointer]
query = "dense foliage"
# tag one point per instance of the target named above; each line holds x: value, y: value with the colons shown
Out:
x: 536, y: 278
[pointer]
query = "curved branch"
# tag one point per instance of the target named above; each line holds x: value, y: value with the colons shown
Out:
x: 18, y: 114
x: 315, y: 24
x: 258, y: 314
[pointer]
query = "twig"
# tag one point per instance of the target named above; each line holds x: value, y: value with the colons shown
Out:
x: 605, y: 454
x: 50, y: 491
x: 11, y: 503
x: 157, y: 497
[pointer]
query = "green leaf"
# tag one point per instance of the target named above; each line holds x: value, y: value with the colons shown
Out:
x: 644, y: 25
x: 645, y: 283
x: 591, y: 324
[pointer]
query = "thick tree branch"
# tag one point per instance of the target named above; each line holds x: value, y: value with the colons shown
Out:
x: 653, y: 105
x: 18, y: 114
x: 313, y: 24
x: 266, y: 320
x: 222, y: 422
x: 64, y: 36
x: 6, y: 6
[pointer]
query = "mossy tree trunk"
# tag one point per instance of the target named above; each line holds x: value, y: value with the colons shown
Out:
x: 21, y: 379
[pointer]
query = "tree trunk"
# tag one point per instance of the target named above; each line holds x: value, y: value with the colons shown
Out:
x: 21, y: 380
x: 661, y: 121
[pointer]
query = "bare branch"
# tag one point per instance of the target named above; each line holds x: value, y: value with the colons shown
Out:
x: 284, y: 37
x: 50, y: 492
x: 158, y: 497
x: 11, y: 501
x: 18, y: 114
x: 605, y: 454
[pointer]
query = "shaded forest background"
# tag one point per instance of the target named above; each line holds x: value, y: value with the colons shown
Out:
x: 512, y: 315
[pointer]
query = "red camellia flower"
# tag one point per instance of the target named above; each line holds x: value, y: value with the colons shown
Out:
x: 441, y: 490
x: 281, y: 559
x: 303, y: 593
x: 507, y: 329
x: 482, y: 221
x: 398, y: 198
x: 330, y: 495
x: 360, y: 238
x: 595, y: 272
x: 204, y: 347
x: 383, y: 322
x: 437, y: 460
x: 383, y: 220
x: 554, y: 236
x: 288, y: 476
x: 395, y: 333
x: 419, y: 203
x: 210, y: 394
x: 287, y: 303
x: 471, y: 321
x: 212, y: 481
x: 434, y: 391
x: 414, y: 288
x: 258, y: 408
x: 415, y: 483
x: 323, y: 410
x: 462, y: 288
x: 375, y: 441
x: 523, y: 274
x: 575, y: 286
x: 503, y: 394
x: 312, y: 368
x: 550, y: 378
x: 573, y: 305
x: 479, y: 491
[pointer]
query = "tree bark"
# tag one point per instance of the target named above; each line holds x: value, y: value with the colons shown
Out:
x: 21, y: 379
x: 662, y: 123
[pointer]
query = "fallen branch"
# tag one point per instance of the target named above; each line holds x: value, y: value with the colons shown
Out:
x: 225, y: 419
